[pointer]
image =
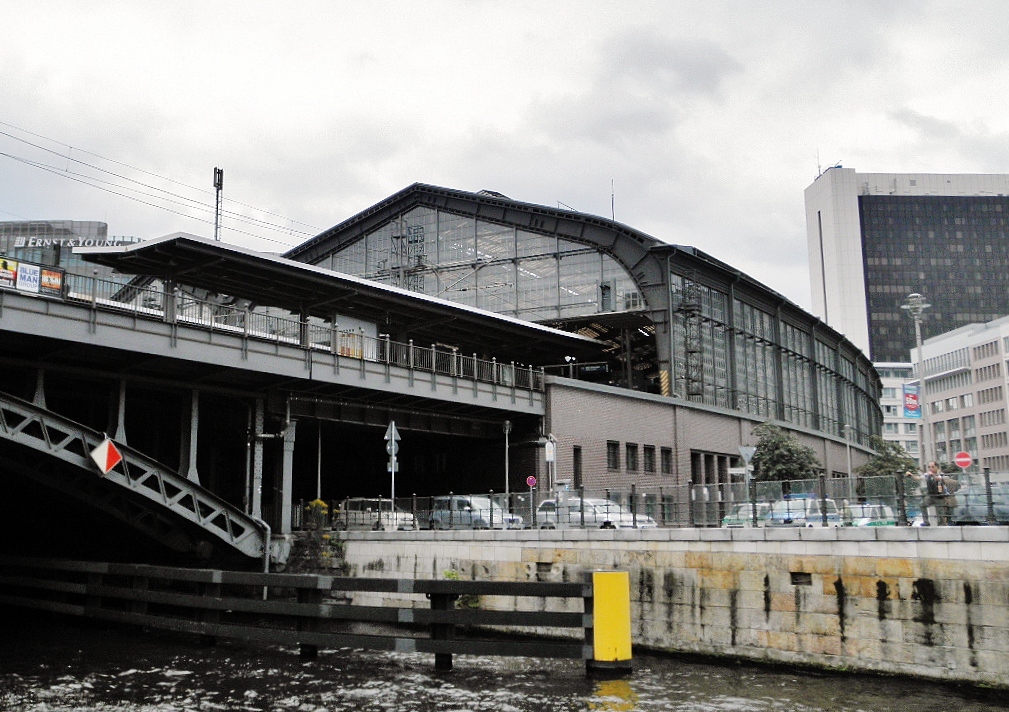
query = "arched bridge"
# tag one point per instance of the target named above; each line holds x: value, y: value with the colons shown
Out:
x: 143, y: 493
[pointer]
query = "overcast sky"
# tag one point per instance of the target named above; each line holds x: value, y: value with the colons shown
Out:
x: 706, y: 118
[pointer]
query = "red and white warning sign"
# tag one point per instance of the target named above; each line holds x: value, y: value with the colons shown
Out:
x: 106, y: 456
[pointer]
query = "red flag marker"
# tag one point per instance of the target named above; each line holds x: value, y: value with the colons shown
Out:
x: 106, y: 456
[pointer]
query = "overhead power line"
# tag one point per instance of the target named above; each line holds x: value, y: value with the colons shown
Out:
x: 148, y: 192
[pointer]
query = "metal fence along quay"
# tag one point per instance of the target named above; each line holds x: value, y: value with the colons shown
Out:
x: 982, y: 499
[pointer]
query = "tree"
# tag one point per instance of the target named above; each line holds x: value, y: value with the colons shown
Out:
x: 780, y: 456
x: 890, y: 459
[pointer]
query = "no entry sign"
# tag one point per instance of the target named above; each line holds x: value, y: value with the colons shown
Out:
x: 963, y: 459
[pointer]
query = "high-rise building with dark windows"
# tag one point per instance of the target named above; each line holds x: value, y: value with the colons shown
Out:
x: 874, y: 238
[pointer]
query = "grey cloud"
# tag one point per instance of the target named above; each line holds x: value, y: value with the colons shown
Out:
x: 974, y: 143
x: 662, y: 64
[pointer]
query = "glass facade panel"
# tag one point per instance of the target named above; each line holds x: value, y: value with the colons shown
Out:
x: 456, y: 239
x: 531, y: 244
x: 537, y: 288
x: 491, y: 266
x: 494, y: 242
x: 925, y: 244
x: 724, y: 348
x: 579, y: 283
x: 495, y: 287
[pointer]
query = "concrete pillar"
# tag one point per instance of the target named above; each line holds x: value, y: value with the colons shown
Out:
x: 39, y: 400
x: 257, y: 460
x: 287, y: 479
x: 190, y: 429
x: 168, y: 303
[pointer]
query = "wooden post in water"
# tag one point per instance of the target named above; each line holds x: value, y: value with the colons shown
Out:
x: 442, y: 631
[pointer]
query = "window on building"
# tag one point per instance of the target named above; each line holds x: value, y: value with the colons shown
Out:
x: 890, y: 428
x: 937, y: 406
x: 911, y: 446
x: 889, y: 393
x: 911, y: 428
x: 967, y: 400
x: 648, y: 455
x: 612, y: 455
x: 631, y: 455
x: 667, y: 460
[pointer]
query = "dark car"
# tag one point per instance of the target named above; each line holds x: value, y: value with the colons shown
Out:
x: 971, y: 507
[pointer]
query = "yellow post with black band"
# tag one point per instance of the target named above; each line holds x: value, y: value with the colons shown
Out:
x: 611, y: 622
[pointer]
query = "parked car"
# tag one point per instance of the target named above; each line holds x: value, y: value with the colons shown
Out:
x: 802, y: 512
x: 372, y: 513
x: 970, y: 506
x: 471, y: 512
x: 741, y: 515
x: 868, y: 514
x: 601, y: 513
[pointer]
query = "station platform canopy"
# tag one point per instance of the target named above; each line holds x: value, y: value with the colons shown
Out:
x: 269, y: 280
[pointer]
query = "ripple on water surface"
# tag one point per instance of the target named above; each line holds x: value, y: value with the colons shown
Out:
x: 52, y: 664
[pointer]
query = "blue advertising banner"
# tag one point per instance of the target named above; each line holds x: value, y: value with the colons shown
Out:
x: 912, y: 405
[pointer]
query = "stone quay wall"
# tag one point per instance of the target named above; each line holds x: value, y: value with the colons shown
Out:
x: 932, y: 603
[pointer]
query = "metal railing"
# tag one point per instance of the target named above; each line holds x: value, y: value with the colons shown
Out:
x: 821, y: 501
x: 175, y: 306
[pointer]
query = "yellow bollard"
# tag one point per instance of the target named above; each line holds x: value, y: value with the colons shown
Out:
x: 611, y: 631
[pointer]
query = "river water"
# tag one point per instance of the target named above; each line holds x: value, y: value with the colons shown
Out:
x: 52, y: 663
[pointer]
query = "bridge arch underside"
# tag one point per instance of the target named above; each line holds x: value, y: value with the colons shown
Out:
x: 56, y: 509
x: 444, y: 447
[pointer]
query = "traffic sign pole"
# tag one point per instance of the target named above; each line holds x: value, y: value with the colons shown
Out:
x: 392, y: 447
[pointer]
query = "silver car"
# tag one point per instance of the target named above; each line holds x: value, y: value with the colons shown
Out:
x: 372, y: 513
x: 471, y: 512
x: 601, y: 513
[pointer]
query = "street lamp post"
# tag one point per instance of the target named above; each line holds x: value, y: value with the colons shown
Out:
x: 915, y: 306
x: 506, y: 427
x: 847, y: 445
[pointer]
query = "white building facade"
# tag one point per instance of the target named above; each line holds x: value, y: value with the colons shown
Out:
x: 966, y: 394
x: 898, y: 426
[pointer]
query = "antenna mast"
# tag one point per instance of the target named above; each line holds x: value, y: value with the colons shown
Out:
x: 218, y: 187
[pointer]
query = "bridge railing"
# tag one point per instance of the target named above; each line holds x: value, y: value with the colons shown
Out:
x: 309, y: 610
x: 154, y: 302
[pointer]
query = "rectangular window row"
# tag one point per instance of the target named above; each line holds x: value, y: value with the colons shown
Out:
x: 994, y: 440
x: 947, y: 362
x: 990, y: 395
x: 631, y: 463
x: 986, y: 350
x: 949, y: 382
x: 988, y: 373
x: 999, y: 463
x: 992, y: 417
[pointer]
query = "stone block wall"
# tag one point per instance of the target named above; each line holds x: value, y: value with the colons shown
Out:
x: 926, y: 602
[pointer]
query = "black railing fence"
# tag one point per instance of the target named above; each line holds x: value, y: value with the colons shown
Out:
x: 980, y: 499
